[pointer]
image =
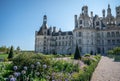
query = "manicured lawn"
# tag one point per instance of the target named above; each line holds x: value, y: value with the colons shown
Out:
x: 2, y: 56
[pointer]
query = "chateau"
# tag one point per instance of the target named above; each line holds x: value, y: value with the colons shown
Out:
x: 92, y: 34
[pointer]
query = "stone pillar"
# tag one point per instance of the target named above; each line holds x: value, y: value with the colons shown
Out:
x: 76, y: 22
x: 103, y: 13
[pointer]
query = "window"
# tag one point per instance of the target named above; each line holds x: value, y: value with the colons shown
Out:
x: 108, y: 34
x: 98, y: 34
x: 44, y: 48
x: 80, y: 21
x: 113, y: 42
x: 98, y: 42
x: 79, y: 41
x: 118, y: 41
x: 63, y: 43
x: 44, y: 37
x: 117, y: 34
x: 103, y: 42
x: 103, y: 50
x: 59, y: 43
x: 59, y: 38
x: 66, y: 43
x: 80, y: 34
x: 97, y: 23
x: 80, y: 49
x: 44, y: 33
x: 108, y: 41
x: 66, y: 37
x: 98, y: 50
x: 69, y: 43
x: 113, y: 34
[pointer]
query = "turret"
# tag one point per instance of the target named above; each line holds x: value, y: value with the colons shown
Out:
x: 85, y: 10
x: 50, y: 30
x: 44, y: 19
x: 91, y: 14
x: 103, y: 13
x: 109, y: 11
x: 44, y: 26
x: 76, y: 23
x: 54, y: 29
x: 118, y: 11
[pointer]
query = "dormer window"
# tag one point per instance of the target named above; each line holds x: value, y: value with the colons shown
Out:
x: 44, y: 33
x: 97, y: 23
x: 80, y: 21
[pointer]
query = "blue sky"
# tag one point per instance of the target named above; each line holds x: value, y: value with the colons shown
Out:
x: 19, y: 19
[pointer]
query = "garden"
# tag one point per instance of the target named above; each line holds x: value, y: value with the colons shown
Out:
x: 30, y: 66
x: 115, y: 54
x: 39, y: 67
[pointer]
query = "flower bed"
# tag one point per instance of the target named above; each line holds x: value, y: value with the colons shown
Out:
x: 39, y: 67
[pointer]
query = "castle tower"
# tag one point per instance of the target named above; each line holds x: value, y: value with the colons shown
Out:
x: 91, y: 14
x: 109, y: 11
x: 118, y: 15
x: 103, y: 13
x: 76, y: 23
x: 118, y: 11
x: 44, y: 19
x: 85, y: 10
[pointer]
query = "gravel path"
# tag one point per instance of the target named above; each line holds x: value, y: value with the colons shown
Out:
x: 107, y: 70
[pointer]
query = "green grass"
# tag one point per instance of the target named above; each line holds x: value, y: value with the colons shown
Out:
x: 2, y: 56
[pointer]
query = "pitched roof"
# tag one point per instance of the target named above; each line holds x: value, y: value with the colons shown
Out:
x: 62, y: 33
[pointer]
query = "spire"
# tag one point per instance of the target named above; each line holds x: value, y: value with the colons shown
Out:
x: 44, y: 19
x: 85, y: 10
x: 108, y: 5
x: 103, y: 12
x: 109, y: 11
x: 60, y: 30
x: 91, y: 13
x: 76, y: 23
x: 44, y: 26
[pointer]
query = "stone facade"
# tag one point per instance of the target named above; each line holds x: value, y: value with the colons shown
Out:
x: 93, y: 34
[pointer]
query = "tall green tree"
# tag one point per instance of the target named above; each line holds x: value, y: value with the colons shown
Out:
x: 77, y: 53
x: 11, y: 53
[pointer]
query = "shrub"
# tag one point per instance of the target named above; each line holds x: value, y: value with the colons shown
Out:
x: 77, y: 53
x: 26, y: 59
x: 87, y: 55
x: 5, y: 60
x: 5, y: 69
x: 87, y: 60
x: 65, y: 66
x: 117, y: 58
x: 11, y: 53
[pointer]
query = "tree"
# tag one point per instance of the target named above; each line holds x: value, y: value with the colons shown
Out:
x: 18, y: 49
x: 77, y: 53
x: 116, y: 50
x: 3, y: 49
x: 11, y: 53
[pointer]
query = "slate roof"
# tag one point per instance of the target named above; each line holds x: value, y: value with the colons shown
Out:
x: 40, y: 32
x: 62, y: 33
